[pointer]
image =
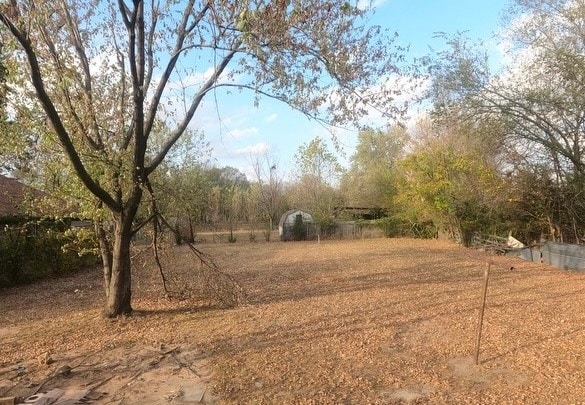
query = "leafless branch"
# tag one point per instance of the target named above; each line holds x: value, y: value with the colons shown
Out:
x: 183, y: 31
x: 176, y: 134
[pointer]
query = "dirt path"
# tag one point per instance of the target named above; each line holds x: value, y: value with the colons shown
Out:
x: 367, y: 321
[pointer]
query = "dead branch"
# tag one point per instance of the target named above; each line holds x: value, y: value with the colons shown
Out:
x: 225, y: 288
x: 209, y: 277
x: 155, y: 228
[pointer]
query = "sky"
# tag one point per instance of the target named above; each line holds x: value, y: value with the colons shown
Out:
x: 239, y: 132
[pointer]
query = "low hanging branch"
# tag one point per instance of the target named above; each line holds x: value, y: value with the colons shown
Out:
x: 225, y: 288
x: 155, y: 229
x: 209, y: 277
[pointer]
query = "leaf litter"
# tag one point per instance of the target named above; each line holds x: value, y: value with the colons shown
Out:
x: 379, y: 321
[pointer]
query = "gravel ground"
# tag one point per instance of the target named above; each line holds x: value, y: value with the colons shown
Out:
x: 377, y: 321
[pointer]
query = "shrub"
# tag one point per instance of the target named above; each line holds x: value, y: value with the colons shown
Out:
x: 398, y: 227
x: 299, y: 230
x: 35, y: 250
x: 327, y: 227
x: 12, y: 255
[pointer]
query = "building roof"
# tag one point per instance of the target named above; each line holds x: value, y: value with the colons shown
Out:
x: 13, y: 195
x: 288, y: 213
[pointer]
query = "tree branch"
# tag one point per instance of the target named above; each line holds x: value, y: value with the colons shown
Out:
x: 182, y: 33
x: 87, y: 86
x: 194, y: 105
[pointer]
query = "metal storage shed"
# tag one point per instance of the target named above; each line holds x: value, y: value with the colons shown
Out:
x: 287, y: 221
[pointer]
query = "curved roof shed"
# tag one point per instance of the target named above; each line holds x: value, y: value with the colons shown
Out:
x: 287, y: 221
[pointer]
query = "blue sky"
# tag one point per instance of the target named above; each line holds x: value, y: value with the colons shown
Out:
x: 238, y: 131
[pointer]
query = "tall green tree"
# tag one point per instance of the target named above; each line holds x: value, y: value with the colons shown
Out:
x: 182, y: 185
x: 315, y: 160
x: 370, y: 180
x: 317, y: 177
x: 234, y: 190
x: 447, y: 179
x: 103, y: 73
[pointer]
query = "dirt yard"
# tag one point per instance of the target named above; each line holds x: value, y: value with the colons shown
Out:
x: 378, y: 321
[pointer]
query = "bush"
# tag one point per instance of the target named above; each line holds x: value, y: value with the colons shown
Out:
x: 327, y: 227
x: 12, y: 255
x: 299, y: 230
x: 397, y: 227
x: 35, y: 250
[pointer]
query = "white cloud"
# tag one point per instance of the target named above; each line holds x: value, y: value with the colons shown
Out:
x: 103, y: 62
x: 243, y: 133
x: 364, y: 4
x: 258, y: 149
x: 271, y: 118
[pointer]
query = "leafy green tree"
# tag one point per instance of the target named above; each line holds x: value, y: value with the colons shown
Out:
x: 370, y: 180
x: 182, y: 195
x: 318, y: 173
x: 226, y: 177
x: 182, y: 185
x: 252, y: 210
x: 226, y: 199
x: 104, y: 74
x: 234, y: 206
x: 314, y: 160
x: 215, y: 206
x: 446, y: 181
x: 299, y: 229
x: 538, y: 205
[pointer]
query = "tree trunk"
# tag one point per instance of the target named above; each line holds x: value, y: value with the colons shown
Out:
x: 120, y: 283
x: 191, y: 231
x: 177, y: 233
x: 106, y: 254
x: 231, y: 239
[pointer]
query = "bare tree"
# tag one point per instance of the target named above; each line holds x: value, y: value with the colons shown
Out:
x: 269, y: 189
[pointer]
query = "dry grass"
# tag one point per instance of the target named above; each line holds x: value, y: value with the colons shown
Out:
x: 367, y: 321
